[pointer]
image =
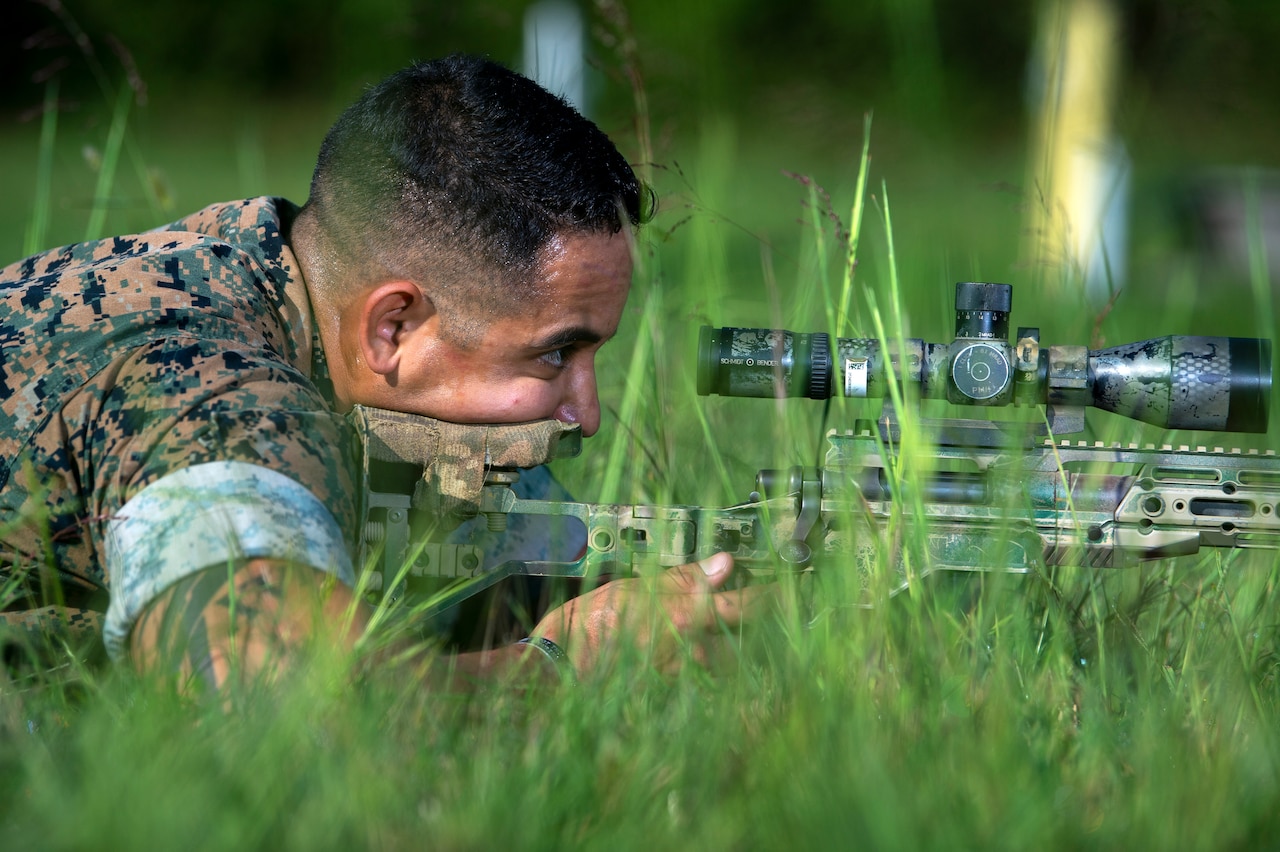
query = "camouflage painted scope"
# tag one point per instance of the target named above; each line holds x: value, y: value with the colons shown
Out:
x: 1179, y: 382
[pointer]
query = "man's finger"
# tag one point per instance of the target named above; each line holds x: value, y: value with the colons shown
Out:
x: 705, y: 574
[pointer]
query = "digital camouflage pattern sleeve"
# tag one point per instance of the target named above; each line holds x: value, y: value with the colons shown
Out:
x: 127, y: 360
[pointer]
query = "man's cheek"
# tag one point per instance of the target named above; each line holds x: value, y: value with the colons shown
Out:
x: 530, y: 404
x: 498, y: 404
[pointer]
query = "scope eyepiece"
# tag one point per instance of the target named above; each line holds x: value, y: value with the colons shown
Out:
x: 761, y: 362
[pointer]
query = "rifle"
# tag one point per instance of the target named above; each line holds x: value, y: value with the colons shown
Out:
x: 990, y: 494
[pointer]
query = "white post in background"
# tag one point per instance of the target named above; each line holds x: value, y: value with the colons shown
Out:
x: 1099, y: 206
x: 1082, y: 170
x: 554, y: 50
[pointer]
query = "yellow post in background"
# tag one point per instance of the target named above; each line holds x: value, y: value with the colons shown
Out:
x: 1079, y: 176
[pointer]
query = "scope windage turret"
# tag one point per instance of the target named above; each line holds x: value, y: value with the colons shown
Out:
x: 1178, y: 382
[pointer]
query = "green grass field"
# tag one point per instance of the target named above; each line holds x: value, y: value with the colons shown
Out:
x: 1074, y: 709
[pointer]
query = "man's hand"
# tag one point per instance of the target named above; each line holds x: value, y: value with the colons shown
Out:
x: 669, y: 617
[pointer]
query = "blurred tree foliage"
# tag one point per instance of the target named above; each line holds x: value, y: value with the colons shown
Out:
x: 285, y: 47
x: 931, y: 58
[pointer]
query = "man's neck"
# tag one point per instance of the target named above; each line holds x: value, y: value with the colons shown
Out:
x: 319, y: 264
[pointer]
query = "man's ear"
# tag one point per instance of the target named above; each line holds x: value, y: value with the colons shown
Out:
x: 389, y: 314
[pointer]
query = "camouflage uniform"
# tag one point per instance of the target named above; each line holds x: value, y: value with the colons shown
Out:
x: 164, y: 408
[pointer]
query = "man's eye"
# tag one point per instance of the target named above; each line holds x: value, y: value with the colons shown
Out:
x: 556, y: 357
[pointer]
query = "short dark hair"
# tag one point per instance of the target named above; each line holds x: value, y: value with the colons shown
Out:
x: 460, y: 167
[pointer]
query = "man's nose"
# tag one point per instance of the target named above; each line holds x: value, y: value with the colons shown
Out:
x: 582, y: 403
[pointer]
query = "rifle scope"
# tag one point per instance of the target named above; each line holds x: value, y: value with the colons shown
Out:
x: 1178, y: 382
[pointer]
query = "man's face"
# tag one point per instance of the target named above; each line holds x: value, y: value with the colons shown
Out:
x: 538, y: 363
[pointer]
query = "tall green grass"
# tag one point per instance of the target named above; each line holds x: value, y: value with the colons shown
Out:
x: 1108, y: 710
